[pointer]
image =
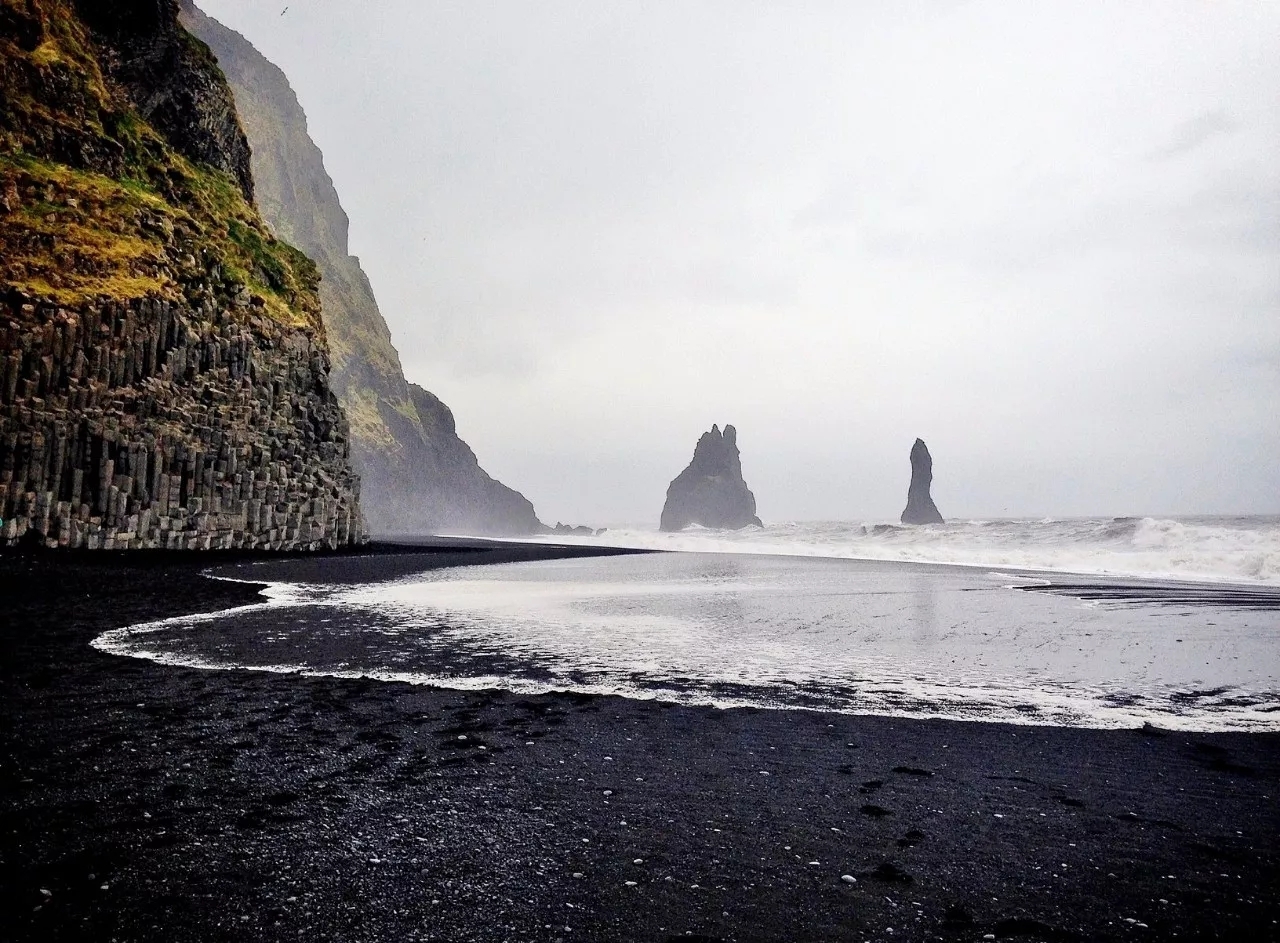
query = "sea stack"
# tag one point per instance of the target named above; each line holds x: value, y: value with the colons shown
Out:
x: 711, y: 492
x: 920, y: 507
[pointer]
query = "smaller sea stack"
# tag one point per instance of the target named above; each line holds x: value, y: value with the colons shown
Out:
x: 711, y: 492
x: 920, y: 507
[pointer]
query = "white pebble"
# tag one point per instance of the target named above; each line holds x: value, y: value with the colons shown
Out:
x: 638, y: 861
x: 577, y: 874
x: 630, y: 883
x: 848, y: 879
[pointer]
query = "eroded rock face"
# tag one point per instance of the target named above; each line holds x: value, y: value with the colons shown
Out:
x: 920, y: 507
x: 418, y: 475
x: 171, y: 81
x: 711, y: 491
x: 164, y: 373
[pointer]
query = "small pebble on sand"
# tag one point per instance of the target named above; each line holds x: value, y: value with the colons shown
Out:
x: 848, y: 879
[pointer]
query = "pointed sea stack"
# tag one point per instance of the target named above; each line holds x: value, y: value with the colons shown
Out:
x: 711, y: 492
x: 920, y: 507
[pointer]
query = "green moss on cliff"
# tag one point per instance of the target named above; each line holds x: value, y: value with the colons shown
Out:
x: 96, y: 204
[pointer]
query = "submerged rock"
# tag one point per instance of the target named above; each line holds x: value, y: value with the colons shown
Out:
x: 711, y: 491
x: 920, y: 507
x: 580, y: 530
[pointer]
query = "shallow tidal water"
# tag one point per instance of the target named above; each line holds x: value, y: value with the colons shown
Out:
x: 775, y: 632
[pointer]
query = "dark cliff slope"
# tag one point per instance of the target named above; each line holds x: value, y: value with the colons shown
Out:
x: 711, y: 491
x: 163, y: 364
x: 418, y: 475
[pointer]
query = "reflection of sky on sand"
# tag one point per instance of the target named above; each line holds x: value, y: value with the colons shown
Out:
x: 768, y: 631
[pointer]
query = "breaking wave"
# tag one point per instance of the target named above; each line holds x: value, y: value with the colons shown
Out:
x: 1220, y: 549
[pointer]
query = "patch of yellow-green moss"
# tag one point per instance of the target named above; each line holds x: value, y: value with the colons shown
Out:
x: 73, y: 236
x: 367, y: 424
x: 138, y: 219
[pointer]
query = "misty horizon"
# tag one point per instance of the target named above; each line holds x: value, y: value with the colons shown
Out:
x: 1045, y: 241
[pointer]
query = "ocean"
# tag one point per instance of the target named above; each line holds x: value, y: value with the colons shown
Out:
x: 1114, y: 623
x: 1220, y: 548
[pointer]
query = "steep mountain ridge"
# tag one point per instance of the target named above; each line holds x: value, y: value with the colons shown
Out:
x: 164, y: 375
x: 418, y: 475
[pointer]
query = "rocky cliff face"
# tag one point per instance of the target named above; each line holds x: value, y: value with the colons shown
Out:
x: 164, y: 374
x: 711, y: 491
x: 920, y: 507
x: 418, y: 475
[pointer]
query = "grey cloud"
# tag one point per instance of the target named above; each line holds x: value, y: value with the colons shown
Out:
x: 1193, y: 133
x: 1037, y: 235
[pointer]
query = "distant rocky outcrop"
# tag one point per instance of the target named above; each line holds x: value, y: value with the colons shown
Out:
x: 711, y: 491
x: 417, y: 475
x: 572, y: 530
x: 920, y: 507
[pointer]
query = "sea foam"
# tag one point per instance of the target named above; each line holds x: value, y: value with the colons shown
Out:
x: 1221, y: 549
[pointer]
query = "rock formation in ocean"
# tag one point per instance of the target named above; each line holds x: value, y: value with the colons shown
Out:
x: 164, y: 371
x: 417, y: 475
x: 711, y: 492
x: 920, y: 507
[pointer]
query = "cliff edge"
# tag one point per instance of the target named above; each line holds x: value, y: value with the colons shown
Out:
x: 711, y: 491
x: 418, y: 476
x: 920, y: 507
x: 164, y: 372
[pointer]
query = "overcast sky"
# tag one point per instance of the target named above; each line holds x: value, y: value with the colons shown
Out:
x: 1045, y: 237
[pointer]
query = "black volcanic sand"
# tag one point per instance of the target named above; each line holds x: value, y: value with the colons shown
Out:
x: 143, y: 802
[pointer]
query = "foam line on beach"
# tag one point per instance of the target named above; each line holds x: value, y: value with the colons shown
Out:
x: 883, y: 694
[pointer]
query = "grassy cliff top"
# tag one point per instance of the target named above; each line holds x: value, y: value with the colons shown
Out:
x: 95, y: 203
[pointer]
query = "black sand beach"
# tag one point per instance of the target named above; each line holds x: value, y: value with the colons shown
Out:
x: 144, y: 802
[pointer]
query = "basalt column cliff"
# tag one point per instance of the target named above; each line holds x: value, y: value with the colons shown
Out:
x: 164, y: 372
x: 418, y: 475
